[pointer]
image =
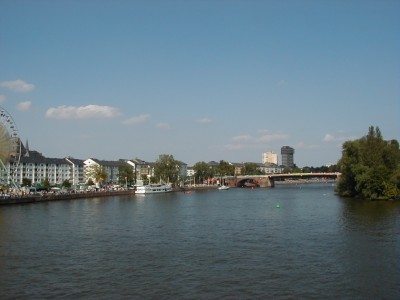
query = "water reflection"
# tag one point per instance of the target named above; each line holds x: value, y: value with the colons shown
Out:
x: 367, y: 215
x: 370, y: 235
x: 206, y: 245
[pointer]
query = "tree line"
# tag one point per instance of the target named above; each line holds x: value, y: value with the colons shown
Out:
x: 370, y: 168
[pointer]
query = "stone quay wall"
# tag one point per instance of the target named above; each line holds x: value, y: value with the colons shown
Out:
x: 57, y: 197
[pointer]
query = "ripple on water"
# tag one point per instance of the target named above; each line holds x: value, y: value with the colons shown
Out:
x: 205, y: 245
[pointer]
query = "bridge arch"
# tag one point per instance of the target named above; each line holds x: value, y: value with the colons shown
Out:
x: 269, y: 180
x: 248, y: 182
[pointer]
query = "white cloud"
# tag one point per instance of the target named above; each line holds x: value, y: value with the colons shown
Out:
x: 242, y: 138
x: 272, y: 137
x: 204, y: 121
x: 26, y: 105
x: 255, y: 141
x: 163, y: 126
x: 82, y: 112
x: 234, y: 146
x: 18, y: 86
x: 137, y: 119
x: 331, y: 138
x: 328, y: 138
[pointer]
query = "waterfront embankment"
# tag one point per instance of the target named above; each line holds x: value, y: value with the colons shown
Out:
x: 46, y: 197
x: 305, y: 181
x: 57, y: 197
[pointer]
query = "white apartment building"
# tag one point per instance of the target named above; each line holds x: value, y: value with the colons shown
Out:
x: 269, y: 168
x: 190, y: 172
x: 141, y: 168
x: 270, y: 157
x: 110, y: 168
x: 35, y: 167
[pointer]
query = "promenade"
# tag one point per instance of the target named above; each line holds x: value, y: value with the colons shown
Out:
x: 65, y: 196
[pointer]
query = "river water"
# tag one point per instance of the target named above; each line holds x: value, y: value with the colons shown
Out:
x: 289, y: 242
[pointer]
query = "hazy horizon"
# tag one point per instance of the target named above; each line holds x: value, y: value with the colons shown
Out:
x: 201, y: 80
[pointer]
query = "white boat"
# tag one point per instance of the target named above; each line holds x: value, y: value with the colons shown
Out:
x: 223, y: 187
x: 152, y: 188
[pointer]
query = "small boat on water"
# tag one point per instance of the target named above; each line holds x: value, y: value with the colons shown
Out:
x: 140, y: 188
x: 223, y: 187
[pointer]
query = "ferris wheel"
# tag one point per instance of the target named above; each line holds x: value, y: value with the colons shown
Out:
x: 10, y: 149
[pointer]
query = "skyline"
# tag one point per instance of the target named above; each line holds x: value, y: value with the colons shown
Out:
x: 201, y: 80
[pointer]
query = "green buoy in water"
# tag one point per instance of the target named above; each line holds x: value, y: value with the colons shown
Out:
x: 278, y: 206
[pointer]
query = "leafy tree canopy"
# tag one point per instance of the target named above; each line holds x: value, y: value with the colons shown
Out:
x: 225, y: 169
x: 96, y: 172
x: 66, y: 183
x: 45, y: 184
x: 251, y: 169
x: 167, y: 168
x: 26, y: 182
x: 125, y: 175
x: 145, y: 179
x: 370, y: 167
x: 202, y: 171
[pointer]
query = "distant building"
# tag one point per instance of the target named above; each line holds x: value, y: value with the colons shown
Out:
x: 141, y: 168
x: 37, y: 168
x: 183, y: 170
x: 270, y: 168
x: 287, y: 154
x: 110, y: 168
x: 270, y: 157
x: 190, y: 172
x: 238, y: 168
x: 77, y: 174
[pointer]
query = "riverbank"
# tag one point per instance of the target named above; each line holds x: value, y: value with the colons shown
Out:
x: 81, y: 195
x: 58, y: 197
x: 305, y: 181
x: 195, y: 187
x: 96, y: 194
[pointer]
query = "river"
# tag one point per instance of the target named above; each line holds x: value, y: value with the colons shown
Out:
x: 289, y: 242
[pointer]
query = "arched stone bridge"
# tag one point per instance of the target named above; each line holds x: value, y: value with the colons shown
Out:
x: 269, y: 180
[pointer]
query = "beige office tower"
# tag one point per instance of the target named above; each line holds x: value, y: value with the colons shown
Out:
x: 270, y: 157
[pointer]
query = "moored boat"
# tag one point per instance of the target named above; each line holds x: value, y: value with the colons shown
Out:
x: 223, y: 187
x: 140, y: 188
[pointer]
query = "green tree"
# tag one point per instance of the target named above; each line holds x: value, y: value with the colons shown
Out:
x: 370, y: 167
x: 167, y: 168
x: 295, y: 169
x: 153, y: 179
x: 251, y: 169
x: 225, y: 169
x: 96, y: 173
x: 45, y: 184
x: 333, y: 168
x: 202, y: 171
x: 66, y: 184
x: 145, y: 179
x: 125, y: 175
x: 26, y: 182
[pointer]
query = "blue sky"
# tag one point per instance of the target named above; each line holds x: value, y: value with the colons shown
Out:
x: 201, y: 80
